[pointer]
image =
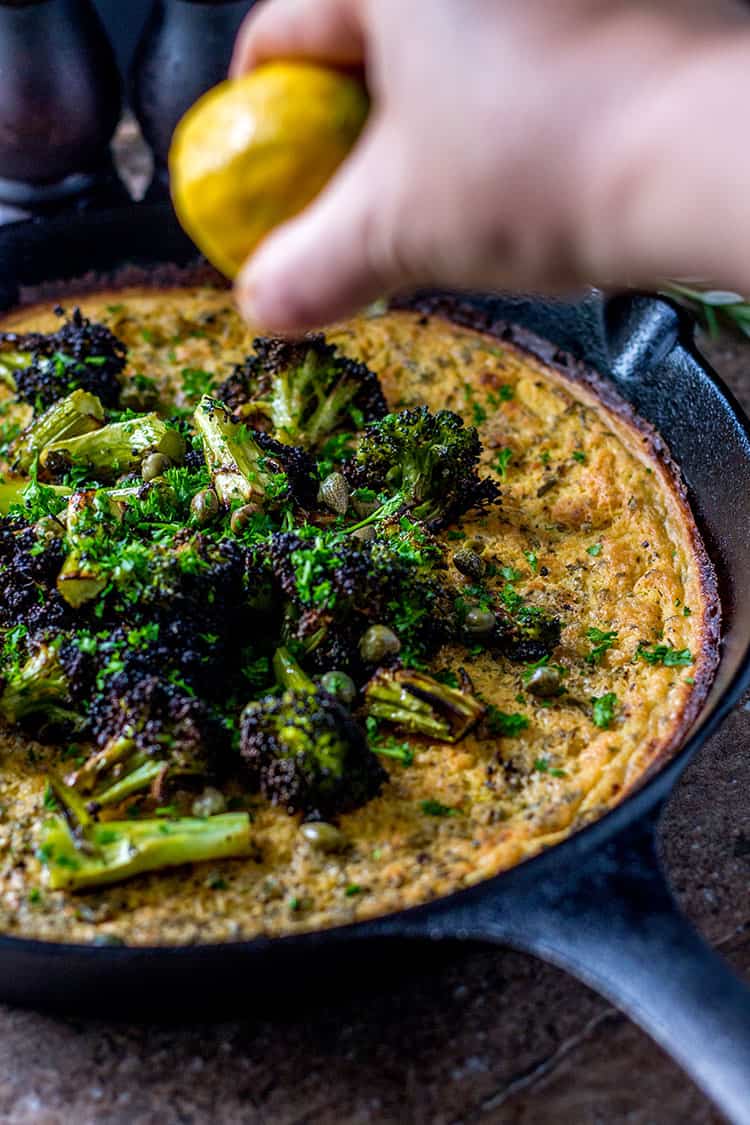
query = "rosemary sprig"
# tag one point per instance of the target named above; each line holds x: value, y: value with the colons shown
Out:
x: 715, y: 308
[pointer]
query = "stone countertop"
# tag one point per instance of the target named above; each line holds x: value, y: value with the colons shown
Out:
x: 481, y: 1036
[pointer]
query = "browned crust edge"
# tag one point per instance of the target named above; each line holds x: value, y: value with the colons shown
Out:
x: 463, y: 312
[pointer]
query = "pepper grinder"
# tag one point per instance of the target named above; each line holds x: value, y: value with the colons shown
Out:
x: 185, y: 48
x: 60, y: 100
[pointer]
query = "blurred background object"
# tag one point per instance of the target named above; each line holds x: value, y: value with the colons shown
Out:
x: 60, y: 101
x: 62, y: 70
x: 184, y: 49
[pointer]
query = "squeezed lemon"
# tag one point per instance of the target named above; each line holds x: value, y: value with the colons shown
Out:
x: 254, y: 151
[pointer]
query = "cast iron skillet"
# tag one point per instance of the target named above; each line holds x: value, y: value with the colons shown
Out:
x: 597, y: 904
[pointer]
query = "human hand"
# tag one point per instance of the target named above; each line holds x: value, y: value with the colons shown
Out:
x: 512, y: 144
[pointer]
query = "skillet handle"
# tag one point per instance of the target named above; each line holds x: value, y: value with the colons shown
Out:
x: 613, y: 923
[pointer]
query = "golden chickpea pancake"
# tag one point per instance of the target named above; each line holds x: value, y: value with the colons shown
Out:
x: 592, y: 528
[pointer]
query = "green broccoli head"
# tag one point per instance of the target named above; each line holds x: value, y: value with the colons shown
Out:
x: 38, y: 689
x: 306, y: 387
x: 421, y: 463
x: 305, y: 753
x: 334, y: 593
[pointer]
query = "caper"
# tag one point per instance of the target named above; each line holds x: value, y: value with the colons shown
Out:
x: 155, y: 465
x: 469, y: 564
x: 378, y: 642
x: 394, y: 475
x: 204, y: 506
x: 49, y: 528
x: 210, y: 802
x: 323, y: 837
x: 334, y: 493
x: 364, y: 533
x: 544, y: 681
x: 241, y: 518
x: 479, y: 622
x: 340, y: 685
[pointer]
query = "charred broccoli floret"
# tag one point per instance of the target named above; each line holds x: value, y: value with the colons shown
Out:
x: 421, y: 463
x: 418, y: 703
x: 335, y: 593
x: 75, y: 414
x: 78, y: 852
x: 306, y: 387
x: 248, y: 467
x: 30, y: 562
x: 528, y: 635
x: 81, y: 354
x: 304, y: 751
x: 148, y: 735
x: 39, y: 688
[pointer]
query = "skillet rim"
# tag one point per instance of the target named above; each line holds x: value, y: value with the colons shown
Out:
x: 650, y: 790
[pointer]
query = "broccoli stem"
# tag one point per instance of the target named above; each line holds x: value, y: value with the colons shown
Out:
x: 117, y: 448
x: 78, y: 413
x: 139, y: 778
x: 420, y: 704
x: 118, y: 849
x: 288, y: 672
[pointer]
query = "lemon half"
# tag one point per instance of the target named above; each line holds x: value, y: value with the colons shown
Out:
x: 254, y: 151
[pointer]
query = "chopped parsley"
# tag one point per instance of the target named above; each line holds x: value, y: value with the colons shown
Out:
x: 503, y: 723
x: 579, y: 456
x: 399, y: 751
x: 532, y: 560
x: 594, y: 550
x: 601, y: 642
x: 541, y: 765
x: 667, y: 655
x: 502, y: 461
x: 604, y: 709
x: 431, y: 807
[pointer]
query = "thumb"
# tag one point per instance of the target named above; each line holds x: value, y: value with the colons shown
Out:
x: 337, y: 255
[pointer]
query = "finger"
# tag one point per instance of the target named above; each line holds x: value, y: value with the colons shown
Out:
x: 324, y: 30
x: 337, y: 255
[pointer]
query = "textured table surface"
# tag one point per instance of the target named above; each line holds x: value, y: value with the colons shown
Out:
x: 484, y: 1035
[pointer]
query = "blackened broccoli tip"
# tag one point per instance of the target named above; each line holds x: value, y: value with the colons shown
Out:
x: 80, y: 354
x: 422, y: 463
x: 304, y: 752
x: 527, y: 636
x: 306, y: 387
x: 416, y: 702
